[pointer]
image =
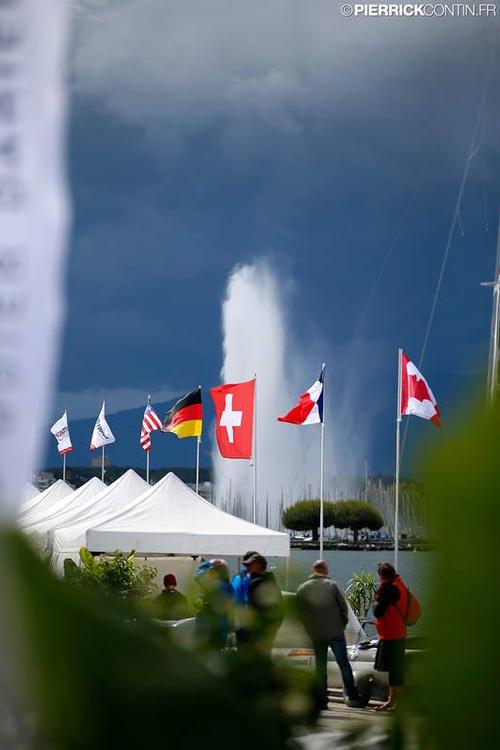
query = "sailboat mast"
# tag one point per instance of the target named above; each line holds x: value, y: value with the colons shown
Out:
x: 494, y: 355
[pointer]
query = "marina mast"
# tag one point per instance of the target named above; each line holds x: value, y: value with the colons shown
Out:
x: 494, y: 355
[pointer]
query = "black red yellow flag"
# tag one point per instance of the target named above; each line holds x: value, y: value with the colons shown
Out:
x: 185, y: 418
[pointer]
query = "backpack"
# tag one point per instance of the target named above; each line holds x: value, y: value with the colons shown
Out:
x: 413, y: 610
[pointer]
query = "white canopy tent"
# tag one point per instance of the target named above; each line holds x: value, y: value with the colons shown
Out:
x: 67, y: 538
x: 171, y: 518
x: 29, y: 492
x: 39, y: 521
x: 52, y: 494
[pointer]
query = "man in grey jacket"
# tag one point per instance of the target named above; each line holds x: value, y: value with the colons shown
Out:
x: 323, y: 611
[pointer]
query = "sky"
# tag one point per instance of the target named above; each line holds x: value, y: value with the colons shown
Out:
x: 204, y: 135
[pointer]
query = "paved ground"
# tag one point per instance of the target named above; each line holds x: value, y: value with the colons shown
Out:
x: 346, y: 728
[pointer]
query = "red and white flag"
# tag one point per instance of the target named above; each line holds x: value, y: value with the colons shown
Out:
x: 234, y: 412
x: 416, y: 395
x: 309, y: 410
x: 150, y: 422
x: 60, y: 431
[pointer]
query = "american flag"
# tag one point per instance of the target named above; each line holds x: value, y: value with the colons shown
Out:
x: 150, y: 422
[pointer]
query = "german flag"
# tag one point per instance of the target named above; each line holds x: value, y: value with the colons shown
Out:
x: 185, y: 418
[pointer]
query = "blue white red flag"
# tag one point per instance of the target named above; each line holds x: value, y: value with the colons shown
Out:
x: 309, y: 410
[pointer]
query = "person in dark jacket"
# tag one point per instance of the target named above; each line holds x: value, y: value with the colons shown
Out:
x: 324, y: 614
x: 389, y: 610
x: 265, y: 605
x: 171, y: 604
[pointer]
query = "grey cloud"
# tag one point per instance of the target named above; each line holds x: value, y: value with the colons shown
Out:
x: 240, y: 69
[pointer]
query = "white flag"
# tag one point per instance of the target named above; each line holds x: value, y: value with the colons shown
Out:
x: 102, y: 434
x: 61, y: 433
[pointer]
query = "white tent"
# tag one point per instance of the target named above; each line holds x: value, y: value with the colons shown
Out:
x: 39, y: 521
x: 66, y: 539
x: 52, y: 494
x: 172, y: 518
x: 29, y: 492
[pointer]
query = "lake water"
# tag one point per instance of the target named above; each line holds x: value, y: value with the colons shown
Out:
x: 415, y: 569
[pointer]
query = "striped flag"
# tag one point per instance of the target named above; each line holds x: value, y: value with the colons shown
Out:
x: 185, y: 418
x: 150, y: 422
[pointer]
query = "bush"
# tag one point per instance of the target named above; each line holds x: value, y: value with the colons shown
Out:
x: 356, y: 515
x: 304, y: 516
x: 118, y: 574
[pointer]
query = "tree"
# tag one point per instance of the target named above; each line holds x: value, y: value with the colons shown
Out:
x: 304, y: 516
x: 356, y: 515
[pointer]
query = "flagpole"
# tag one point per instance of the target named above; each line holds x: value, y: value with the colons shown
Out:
x: 198, y: 443
x: 64, y: 468
x: 322, y: 474
x: 398, y: 430
x: 102, y: 464
x: 147, y: 452
x: 255, y: 452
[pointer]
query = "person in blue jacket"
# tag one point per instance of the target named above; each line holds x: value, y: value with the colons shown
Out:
x: 214, y: 615
x: 241, y: 581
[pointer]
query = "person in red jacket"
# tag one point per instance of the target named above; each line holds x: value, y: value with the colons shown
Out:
x: 390, y: 606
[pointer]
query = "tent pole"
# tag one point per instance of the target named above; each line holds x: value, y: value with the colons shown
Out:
x: 64, y: 468
x: 147, y: 467
x: 102, y: 464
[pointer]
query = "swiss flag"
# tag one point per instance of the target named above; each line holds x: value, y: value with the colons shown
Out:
x: 416, y: 396
x: 234, y: 410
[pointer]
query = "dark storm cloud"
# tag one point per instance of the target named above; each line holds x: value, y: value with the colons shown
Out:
x: 206, y: 134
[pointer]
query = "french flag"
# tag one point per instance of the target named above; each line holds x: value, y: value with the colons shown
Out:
x: 309, y: 410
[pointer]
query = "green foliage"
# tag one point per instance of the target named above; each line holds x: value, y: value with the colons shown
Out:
x: 96, y: 674
x: 356, y: 515
x: 118, y: 574
x: 462, y: 611
x: 304, y: 516
x: 360, y: 593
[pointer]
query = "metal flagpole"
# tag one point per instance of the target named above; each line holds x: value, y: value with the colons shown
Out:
x: 147, y: 452
x: 398, y: 430
x: 198, y: 443
x: 322, y: 473
x: 255, y: 452
x: 102, y: 464
x: 64, y: 467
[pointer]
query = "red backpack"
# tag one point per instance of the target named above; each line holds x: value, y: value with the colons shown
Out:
x: 413, y: 610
